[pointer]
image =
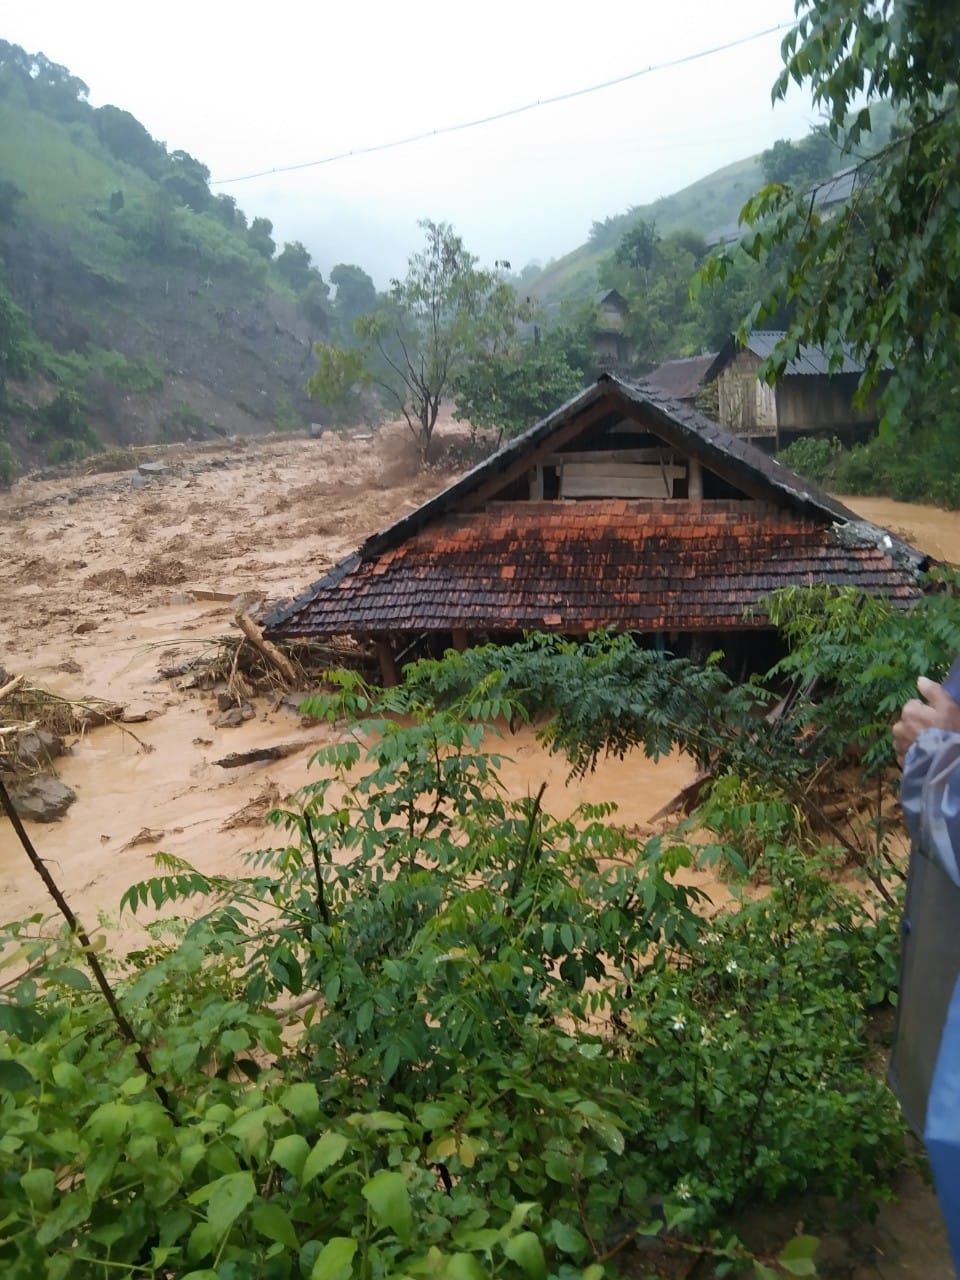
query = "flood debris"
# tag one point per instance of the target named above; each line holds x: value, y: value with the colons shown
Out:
x: 35, y: 725
x: 260, y: 755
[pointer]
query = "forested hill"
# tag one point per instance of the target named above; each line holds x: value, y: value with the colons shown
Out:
x: 709, y: 207
x: 705, y: 206
x: 134, y: 304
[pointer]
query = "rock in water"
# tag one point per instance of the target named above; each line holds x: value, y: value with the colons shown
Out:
x: 36, y: 746
x: 42, y: 799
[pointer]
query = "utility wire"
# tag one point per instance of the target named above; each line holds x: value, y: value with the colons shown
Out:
x: 507, y: 114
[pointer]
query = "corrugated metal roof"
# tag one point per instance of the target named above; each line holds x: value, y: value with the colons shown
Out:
x: 808, y: 360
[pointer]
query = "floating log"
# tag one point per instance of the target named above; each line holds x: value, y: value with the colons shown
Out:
x: 259, y: 755
x: 269, y: 650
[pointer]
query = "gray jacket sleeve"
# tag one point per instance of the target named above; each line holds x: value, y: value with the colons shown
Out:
x: 930, y: 794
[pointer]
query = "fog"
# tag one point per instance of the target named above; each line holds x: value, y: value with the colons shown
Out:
x: 287, y: 84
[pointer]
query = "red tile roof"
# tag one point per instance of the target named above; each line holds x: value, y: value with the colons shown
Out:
x: 576, y: 567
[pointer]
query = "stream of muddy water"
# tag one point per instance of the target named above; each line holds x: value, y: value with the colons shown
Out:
x: 105, y: 579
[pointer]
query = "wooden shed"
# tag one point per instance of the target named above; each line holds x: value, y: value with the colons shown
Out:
x: 622, y: 509
x: 810, y: 398
x: 611, y: 347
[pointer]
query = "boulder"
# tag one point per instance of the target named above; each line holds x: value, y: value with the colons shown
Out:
x: 42, y: 799
x: 153, y: 468
x: 35, y: 747
x: 235, y: 717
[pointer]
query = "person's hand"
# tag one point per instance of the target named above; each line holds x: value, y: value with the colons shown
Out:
x: 937, y: 710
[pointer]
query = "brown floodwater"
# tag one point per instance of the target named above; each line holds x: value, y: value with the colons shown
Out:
x: 103, y: 576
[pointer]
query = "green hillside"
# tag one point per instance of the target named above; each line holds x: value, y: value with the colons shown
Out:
x: 134, y: 304
x: 708, y: 206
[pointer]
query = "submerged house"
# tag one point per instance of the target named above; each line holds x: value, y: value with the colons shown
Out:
x: 622, y: 509
x: 809, y: 399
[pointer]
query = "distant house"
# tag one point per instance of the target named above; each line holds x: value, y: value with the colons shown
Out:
x: 622, y: 509
x: 682, y: 379
x: 809, y: 399
x: 611, y: 348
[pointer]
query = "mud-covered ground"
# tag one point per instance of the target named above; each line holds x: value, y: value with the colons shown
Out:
x: 104, y: 578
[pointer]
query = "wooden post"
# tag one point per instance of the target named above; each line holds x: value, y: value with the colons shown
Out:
x: 536, y: 484
x: 461, y: 640
x: 695, y: 480
x: 388, y: 663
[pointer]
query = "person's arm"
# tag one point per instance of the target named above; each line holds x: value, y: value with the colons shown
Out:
x: 934, y: 709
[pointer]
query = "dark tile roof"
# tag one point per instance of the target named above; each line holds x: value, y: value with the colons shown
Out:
x: 681, y: 379
x: 430, y: 582
x: 576, y: 567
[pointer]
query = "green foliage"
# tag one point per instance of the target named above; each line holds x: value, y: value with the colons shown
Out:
x: 865, y: 655
x: 356, y: 295
x: 444, y: 314
x: 127, y: 139
x: 285, y: 415
x: 511, y: 392
x: 815, y: 457
x: 338, y: 378
x: 707, y: 206
x: 9, y: 466
x: 17, y: 341
x: 188, y: 180
x: 62, y: 426
x: 519, y: 1042
x: 801, y: 163
x: 879, y: 273
x: 293, y: 265
x: 260, y: 237
x: 136, y: 376
x: 667, y: 315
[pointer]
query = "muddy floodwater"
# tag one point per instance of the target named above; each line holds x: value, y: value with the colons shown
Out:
x: 105, y: 578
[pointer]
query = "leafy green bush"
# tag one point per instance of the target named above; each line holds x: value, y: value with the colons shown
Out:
x: 516, y: 1042
x: 920, y: 466
x: 63, y: 427
x: 815, y: 457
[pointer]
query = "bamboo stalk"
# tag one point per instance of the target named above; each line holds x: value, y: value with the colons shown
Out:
x: 9, y: 687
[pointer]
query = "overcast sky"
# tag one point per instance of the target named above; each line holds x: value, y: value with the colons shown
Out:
x: 247, y: 87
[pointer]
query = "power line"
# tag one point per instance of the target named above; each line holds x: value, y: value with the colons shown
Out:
x: 507, y: 114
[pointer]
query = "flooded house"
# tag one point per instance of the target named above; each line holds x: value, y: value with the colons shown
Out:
x: 623, y: 509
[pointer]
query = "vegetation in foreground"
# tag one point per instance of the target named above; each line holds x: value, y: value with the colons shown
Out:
x: 438, y: 1032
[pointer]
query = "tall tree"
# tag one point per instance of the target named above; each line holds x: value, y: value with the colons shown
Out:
x: 883, y: 272
x: 445, y: 312
x: 260, y: 237
x: 188, y: 180
x: 356, y: 293
x: 293, y: 263
x: 128, y: 140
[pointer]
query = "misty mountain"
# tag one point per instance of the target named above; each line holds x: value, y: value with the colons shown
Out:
x: 134, y: 304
